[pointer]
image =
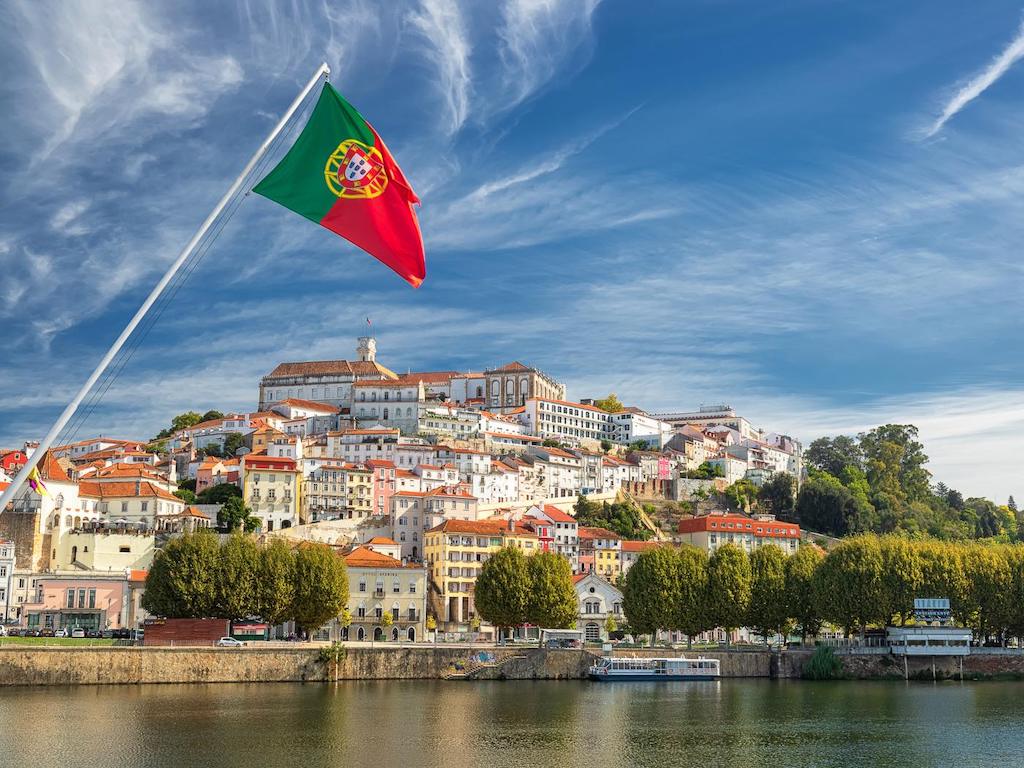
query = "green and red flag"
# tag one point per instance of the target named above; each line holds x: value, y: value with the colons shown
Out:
x: 340, y: 175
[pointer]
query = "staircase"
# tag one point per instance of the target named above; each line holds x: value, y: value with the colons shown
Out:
x: 473, y: 670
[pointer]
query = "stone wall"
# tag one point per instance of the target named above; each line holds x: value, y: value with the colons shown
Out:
x: 976, y: 666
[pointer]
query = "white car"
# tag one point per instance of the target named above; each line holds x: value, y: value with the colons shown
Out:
x: 78, y: 632
x: 229, y: 642
x: 61, y: 633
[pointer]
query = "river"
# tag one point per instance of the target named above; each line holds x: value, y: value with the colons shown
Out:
x: 536, y: 724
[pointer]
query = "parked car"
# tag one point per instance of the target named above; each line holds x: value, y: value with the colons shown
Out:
x: 107, y: 634
x: 62, y: 632
x: 3, y: 631
x: 78, y: 632
x: 93, y: 633
x: 46, y: 632
x: 229, y: 642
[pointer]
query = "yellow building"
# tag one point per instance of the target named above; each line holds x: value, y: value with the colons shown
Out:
x: 600, y: 553
x: 456, y: 550
x: 272, y: 488
x: 359, y: 484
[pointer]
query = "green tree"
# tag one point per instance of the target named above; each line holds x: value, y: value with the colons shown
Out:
x: 218, y: 494
x: 729, y: 584
x: 741, y: 495
x: 825, y: 505
x: 552, y: 597
x: 181, y: 583
x: 801, y: 598
x: 321, y: 586
x: 610, y: 404
x: 210, y: 416
x: 849, y: 584
x: 212, y: 450
x: 1012, y: 504
x: 186, y: 495
x: 232, y: 443
x: 234, y: 515
x: 187, y: 484
x: 502, y: 592
x: 909, y: 457
x: 834, y: 454
x: 607, y: 445
x: 185, y: 420
x: 237, y: 575
x: 778, y: 495
x: 901, y: 577
x: 275, y: 582
x: 651, y: 594
x: 691, y: 616
x: 987, y: 576
x: 768, y: 613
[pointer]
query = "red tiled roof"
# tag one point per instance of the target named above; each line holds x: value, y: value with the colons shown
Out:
x: 597, y: 533
x: 364, y: 557
x: 486, y: 527
x: 383, y: 540
x: 739, y: 524
x: 311, y: 405
x: 514, y: 367
x: 640, y: 546
x: 558, y: 515
x: 122, y: 490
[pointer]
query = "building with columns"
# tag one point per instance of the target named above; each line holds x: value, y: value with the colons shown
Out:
x: 510, y: 386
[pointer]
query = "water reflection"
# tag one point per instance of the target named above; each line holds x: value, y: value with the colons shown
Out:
x: 537, y: 724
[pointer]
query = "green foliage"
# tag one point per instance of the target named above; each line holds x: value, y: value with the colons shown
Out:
x: 607, y: 445
x: 232, y: 443
x: 218, y: 494
x: 179, y: 422
x: 651, y: 592
x: 825, y: 505
x: 321, y: 586
x: 620, y: 517
x: 768, y: 613
x: 188, y: 485
x: 741, y: 495
x: 778, y: 495
x: 801, y: 597
x: 901, y: 578
x: 706, y: 471
x: 275, y: 582
x: 234, y: 515
x: 186, y: 495
x: 610, y: 404
x: 690, y: 614
x: 552, y: 597
x: 502, y: 592
x: 849, y: 584
x: 210, y: 416
x: 823, y: 665
x: 729, y: 584
x: 237, y: 574
x: 550, y: 442
x: 834, y: 454
x: 181, y: 583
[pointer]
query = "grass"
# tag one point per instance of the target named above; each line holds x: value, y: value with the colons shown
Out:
x: 83, y: 642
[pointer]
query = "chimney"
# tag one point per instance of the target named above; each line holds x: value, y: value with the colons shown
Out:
x: 512, y: 525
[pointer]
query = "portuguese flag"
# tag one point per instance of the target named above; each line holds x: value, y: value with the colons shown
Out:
x: 340, y: 175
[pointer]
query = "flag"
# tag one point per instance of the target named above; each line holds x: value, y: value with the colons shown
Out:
x: 35, y: 482
x: 340, y: 175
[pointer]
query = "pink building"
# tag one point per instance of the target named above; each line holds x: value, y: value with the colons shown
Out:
x: 383, y: 484
x: 93, y: 602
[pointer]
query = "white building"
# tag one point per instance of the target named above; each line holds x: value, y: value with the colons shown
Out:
x: 573, y: 421
x: 598, y: 601
x: 393, y: 404
x: 710, y: 416
x: 560, y: 471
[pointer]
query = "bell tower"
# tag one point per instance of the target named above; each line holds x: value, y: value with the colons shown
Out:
x: 366, y: 351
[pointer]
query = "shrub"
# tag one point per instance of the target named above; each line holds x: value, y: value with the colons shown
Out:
x: 823, y: 665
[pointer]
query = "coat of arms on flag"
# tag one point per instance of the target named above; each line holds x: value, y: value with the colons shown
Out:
x: 355, y: 170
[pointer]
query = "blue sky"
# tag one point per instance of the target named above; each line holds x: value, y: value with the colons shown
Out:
x: 809, y: 210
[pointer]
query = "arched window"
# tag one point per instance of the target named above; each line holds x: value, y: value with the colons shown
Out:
x: 362, y: 412
x: 378, y: 634
x: 412, y: 634
x: 408, y: 412
x: 592, y: 632
x: 494, y: 387
x: 67, y: 521
x: 394, y: 634
x: 74, y: 554
x: 361, y: 634
x: 385, y: 414
x: 479, y: 391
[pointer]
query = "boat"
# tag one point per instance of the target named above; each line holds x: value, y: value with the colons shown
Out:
x: 610, y: 669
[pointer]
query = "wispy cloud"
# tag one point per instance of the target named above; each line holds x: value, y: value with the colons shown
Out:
x: 441, y: 26
x: 978, y: 84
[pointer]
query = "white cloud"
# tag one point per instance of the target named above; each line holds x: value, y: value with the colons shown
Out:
x: 441, y: 26
x: 978, y: 84
x: 65, y: 220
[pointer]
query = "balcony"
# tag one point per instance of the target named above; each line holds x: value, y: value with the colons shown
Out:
x: 379, y: 593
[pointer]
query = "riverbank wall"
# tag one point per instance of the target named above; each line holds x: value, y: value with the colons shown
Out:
x: 134, y: 665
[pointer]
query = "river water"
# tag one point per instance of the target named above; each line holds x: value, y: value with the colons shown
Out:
x: 535, y: 724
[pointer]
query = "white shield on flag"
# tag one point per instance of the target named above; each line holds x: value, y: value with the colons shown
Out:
x: 358, y: 165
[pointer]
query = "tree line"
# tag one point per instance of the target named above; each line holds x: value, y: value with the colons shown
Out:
x: 865, y: 581
x: 199, y: 576
x: 513, y: 589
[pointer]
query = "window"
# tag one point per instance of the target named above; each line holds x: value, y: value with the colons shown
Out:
x: 412, y: 587
x: 81, y: 598
x: 396, y: 587
x: 124, y: 506
x: 124, y: 549
x: 71, y: 598
x: 145, y: 506
x: 92, y: 598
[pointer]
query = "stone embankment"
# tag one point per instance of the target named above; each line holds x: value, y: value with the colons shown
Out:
x: 101, y: 666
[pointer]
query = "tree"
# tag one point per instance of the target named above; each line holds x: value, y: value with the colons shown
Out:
x: 386, y: 620
x: 237, y: 574
x: 275, y: 582
x: 186, y: 495
x: 897, y: 444
x: 768, y: 612
x: 825, y: 505
x: 1012, y: 504
x: 502, y: 590
x: 801, y: 599
x: 729, y: 583
x: 218, y: 494
x: 232, y: 443
x: 691, y: 616
x: 550, y: 442
x: 552, y: 598
x: 901, y: 577
x: 610, y: 404
x: 210, y: 416
x: 988, y: 582
x: 607, y: 445
x: 650, y: 596
x: 741, y: 495
x: 234, y: 515
x: 834, y: 454
x: 849, y: 584
x: 187, y: 484
x: 180, y: 422
x: 181, y: 583
x: 778, y: 495
x: 212, y: 450
x: 321, y: 586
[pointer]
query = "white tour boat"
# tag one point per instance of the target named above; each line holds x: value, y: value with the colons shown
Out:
x: 611, y: 669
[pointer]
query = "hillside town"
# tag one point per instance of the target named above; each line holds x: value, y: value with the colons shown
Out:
x: 414, y: 479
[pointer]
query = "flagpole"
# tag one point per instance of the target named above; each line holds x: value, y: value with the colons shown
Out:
x: 55, y: 430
